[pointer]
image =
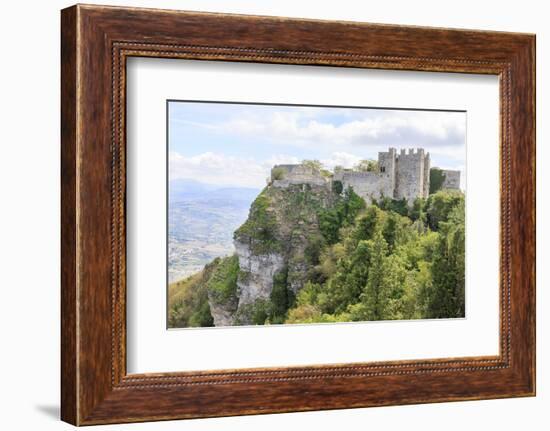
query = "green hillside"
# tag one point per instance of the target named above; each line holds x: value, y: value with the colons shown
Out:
x: 344, y: 261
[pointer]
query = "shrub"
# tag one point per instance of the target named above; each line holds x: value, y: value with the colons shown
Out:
x: 342, y: 214
x: 400, y: 206
x: 337, y: 187
x: 253, y: 314
x: 367, y: 166
x: 188, y: 301
x: 282, y: 298
x: 417, y: 211
x: 312, y: 251
x: 441, y: 204
x: 222, y: 284
x: 316, y: 165
x: 260, y: 227
x: 278, y: 173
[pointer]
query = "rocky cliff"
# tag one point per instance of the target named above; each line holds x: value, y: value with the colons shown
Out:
x: 275, y: 249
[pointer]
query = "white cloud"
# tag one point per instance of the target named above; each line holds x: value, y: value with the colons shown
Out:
x: 281, y: 159
x: 212, y: 168
x: 343, y: 140
x: 380, y: 128
x: 340, y: 158
x: 219, y: 169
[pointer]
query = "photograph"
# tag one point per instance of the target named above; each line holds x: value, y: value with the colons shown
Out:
x: 302, y: 214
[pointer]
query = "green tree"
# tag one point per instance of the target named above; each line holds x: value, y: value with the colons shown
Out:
x: 367, y: 223
x: 222, y: 283
x: 261, y: 226
x: 400, y: 206
x: 395, y: 229
x: 418, y: 210
x: 329, y: 225
x: 367, y: 166
x: 441, y: 204
x: 337, y: 187
x: 375, y: 295
x: 316, y: 165
x: 348, y: 281
x: 343, y: 213
x: 352, y: 205
x: 437, y: 177
x: 282, y: 298
x: 278, y: 173
x: 445, y: 296
x: 400, y: 289
x: 188, y: 300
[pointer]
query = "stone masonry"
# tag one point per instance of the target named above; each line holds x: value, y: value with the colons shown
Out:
x: 403, y: 175
x: 452, y: 179
x: 285, y: 175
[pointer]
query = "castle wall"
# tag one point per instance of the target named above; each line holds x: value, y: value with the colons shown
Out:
x: 368, y: 185
x: 426, y: 176
x: 404, y: 175
x: 296, y: 174
x: 452, y: 179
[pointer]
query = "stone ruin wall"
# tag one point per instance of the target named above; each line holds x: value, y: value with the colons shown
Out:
x: 452, y: 179
x: 426, y: 178
x: 404, y: 175
x: 368, y: 185
x: 297, y: 174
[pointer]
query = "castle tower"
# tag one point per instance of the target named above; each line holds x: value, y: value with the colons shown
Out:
x: 427, y: 168
x: 412, y: 175
x: 386, y: 165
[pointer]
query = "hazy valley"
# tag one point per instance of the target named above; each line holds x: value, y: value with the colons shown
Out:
x: 202, y: 219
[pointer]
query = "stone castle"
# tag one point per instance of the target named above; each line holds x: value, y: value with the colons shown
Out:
x: 403, y: 175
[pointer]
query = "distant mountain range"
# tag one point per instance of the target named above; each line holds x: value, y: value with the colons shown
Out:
x: 202, y: 218
x: 185, y: 189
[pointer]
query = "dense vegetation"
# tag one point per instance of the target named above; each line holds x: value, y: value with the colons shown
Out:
x: 382, y: 261
x: 188, y: 299
x: 385, y: 263
x: 437, y: 177
x: 260, y: 226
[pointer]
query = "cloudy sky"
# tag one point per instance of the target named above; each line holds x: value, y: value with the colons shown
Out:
x: 237, y: 144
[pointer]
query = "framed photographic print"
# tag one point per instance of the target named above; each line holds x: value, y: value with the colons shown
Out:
x: 317, y: 234
x: 265, y: 215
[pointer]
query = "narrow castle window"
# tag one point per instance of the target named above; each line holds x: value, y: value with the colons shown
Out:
x: 382, y: 169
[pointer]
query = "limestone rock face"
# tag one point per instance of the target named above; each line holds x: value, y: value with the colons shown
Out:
x: 257, y: 270
x: 296, y: 274
x: 222, y: 313
x: 274, y: 247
